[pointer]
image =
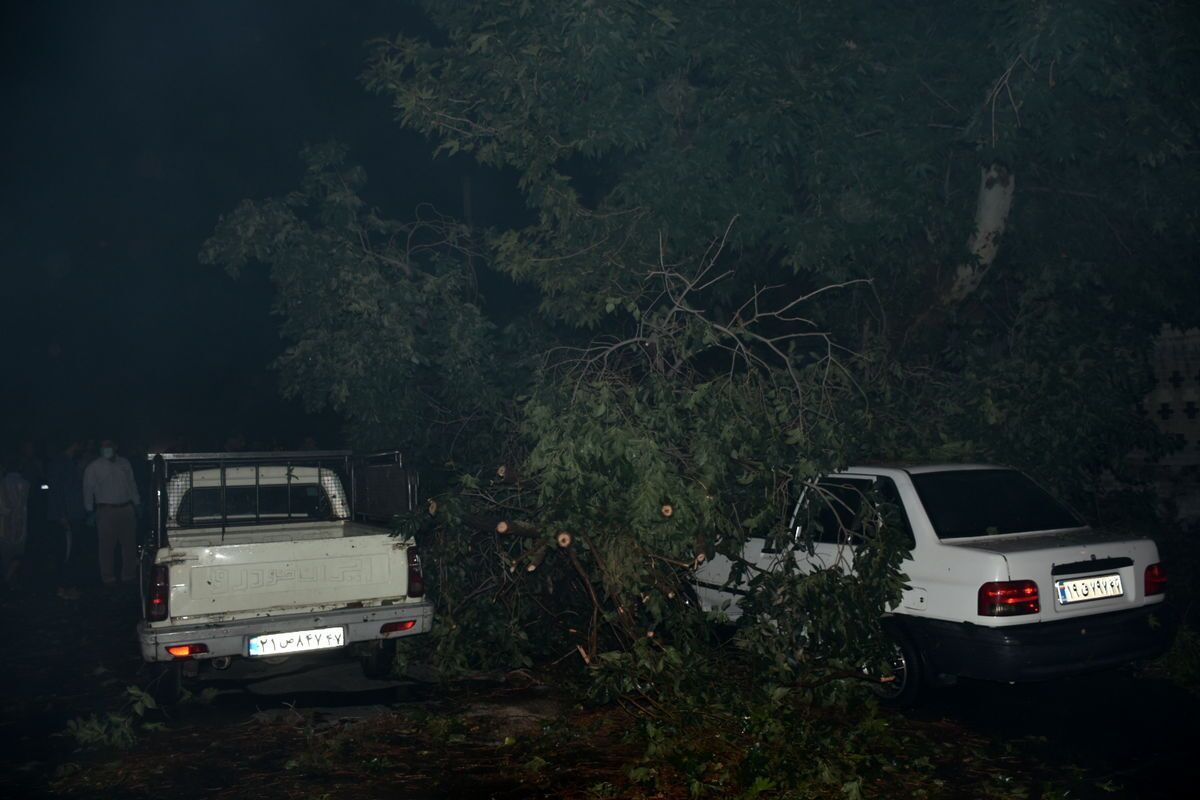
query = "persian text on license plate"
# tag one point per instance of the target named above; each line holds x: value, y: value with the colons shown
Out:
x: 1097, y: 587
x: 282, y: 644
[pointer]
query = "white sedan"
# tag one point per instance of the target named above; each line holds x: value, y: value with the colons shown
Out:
x: 1005, y: 583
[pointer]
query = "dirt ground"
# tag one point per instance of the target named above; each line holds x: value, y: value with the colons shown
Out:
x: 313, y: 729
x: 319, y: 730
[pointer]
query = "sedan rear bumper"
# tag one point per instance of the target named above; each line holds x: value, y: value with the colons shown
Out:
x: 232, y: 638
x: 1042, y: 650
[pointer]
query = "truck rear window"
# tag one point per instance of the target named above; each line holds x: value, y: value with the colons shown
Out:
x: 202, y: 505
x: 985, y: 502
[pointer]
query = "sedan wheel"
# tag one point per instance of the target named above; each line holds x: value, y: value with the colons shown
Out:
x: 902, y: 686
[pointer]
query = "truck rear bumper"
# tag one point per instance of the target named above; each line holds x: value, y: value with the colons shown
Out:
x: 1039, y: 651
x: 232, y: 638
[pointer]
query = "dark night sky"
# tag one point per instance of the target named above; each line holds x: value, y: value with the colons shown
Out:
x: 129, y: 127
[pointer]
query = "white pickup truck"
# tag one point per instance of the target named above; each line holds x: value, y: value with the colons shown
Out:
x: 265, y: 556
x: 1004, y: 582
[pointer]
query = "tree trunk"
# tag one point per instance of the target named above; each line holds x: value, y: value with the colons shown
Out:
x: 996, y: 187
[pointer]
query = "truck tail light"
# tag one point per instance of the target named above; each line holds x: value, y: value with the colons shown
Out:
x: 187, y: 650
x: 397, y: 627
x: 156, y: 598
x: 1156, y: 579
x: 1008, y: 598
x: 416, y: 581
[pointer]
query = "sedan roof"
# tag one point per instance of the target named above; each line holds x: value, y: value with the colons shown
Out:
x: 917, y: 469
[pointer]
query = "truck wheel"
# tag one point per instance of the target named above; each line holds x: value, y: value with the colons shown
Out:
x: 378, y: 659
x: 166, y: 683
x: 907, y: 674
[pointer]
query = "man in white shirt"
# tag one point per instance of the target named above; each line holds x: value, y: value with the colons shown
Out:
x: 111, y: 493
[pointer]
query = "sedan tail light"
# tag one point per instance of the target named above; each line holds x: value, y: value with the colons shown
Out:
x: 1156, y: 579
x: 1008, y: 598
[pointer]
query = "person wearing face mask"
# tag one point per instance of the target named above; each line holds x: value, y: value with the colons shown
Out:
x: 111, y: 495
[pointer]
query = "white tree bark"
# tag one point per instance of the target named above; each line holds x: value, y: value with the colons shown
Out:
x: 996, y: 187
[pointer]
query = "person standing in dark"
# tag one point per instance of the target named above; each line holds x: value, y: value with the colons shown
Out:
x: 14, y: 522
x: 65, y: 515
x: 111, y: 494
x: 29, y: 464
x: 87, y: 548
x: 39, y: 548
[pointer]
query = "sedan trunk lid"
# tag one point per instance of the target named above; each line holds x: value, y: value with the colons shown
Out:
x: 1078, y: 571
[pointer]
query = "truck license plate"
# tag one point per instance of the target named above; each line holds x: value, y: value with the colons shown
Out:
x: 1097, y: 587
x: 282, y: 644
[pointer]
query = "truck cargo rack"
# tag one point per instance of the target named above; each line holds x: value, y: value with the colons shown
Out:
x: 210, y: 490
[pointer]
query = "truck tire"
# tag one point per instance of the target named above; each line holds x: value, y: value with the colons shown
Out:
x: 908, y: 673
x: 378, y: 659
x: 166, y: 683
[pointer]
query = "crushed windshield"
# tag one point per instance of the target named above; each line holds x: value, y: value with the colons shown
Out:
x: 986, y: 502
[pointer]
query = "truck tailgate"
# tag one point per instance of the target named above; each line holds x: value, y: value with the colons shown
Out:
x: 257, y: 579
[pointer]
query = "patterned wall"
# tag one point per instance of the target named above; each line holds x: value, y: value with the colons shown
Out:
x: 1174, y: 404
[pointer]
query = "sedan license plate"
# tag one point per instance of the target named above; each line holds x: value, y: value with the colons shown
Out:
x: 283, y: 644
x: 1097, y: 587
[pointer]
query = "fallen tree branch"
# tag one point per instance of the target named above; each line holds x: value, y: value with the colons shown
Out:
x: 517, y: 527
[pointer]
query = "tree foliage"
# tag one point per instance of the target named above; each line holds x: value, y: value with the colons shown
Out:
x: 382, y: 318
x: 765, y: 240
x: 848, y: 141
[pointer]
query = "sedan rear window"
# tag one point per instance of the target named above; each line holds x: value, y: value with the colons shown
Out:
x: 986, y: 502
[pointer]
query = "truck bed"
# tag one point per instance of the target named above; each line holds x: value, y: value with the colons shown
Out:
x: 282, y: 532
